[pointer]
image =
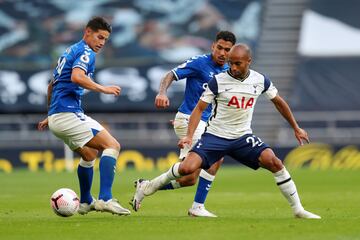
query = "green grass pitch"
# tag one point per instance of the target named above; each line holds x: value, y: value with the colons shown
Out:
x: 248, y: 204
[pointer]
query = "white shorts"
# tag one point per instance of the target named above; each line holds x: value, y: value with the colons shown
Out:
x: 75, y: 129
x: 181, y: 123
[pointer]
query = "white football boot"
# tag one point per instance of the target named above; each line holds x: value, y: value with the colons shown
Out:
x: 305, y: 214
x: 200, y: 211
x: 85, y: 208
x: 139, y: 195
x: 112, y: 206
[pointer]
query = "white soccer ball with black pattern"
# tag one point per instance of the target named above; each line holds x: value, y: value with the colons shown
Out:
x: 65, y: 202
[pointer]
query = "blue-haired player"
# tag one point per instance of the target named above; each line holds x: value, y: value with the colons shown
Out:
x: 67, y: 121
x: 229, y: 130
x: 197, y: 71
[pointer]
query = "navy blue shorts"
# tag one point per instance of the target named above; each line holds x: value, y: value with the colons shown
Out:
x: 246, y: 149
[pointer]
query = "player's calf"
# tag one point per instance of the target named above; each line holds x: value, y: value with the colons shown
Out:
x: 185, y: 181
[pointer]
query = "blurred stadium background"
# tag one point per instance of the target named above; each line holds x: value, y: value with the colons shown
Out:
x: 309, y: 48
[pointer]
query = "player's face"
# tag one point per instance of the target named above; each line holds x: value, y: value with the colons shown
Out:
x: 239, y: 62
x: 96, y: 40
x: 220, y: 51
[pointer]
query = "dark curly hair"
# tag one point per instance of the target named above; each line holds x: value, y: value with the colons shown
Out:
x: 99, y: 23
x: 226, y: 36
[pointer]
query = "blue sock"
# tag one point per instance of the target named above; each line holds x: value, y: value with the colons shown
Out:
x: 202, y: 189
x: 85, y: 175
x: 168, y: 186
x: 107, y: 173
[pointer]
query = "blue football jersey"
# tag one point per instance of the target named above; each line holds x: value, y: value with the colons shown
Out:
x: 197, y: 71
x: 66, y: 95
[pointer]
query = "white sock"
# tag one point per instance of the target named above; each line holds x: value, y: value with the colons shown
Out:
x: 206, y: 175
x: 196, y: 205
x: 175, y: 184
x: 86, y: 164
x: 165, y: 178
x: 288, y: 189
x: 110, y: 152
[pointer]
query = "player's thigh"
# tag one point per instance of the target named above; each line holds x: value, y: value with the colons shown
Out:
x: 103, y: 140
x: 75, y: 129
x: 247, y: 150
x: 211, y: 149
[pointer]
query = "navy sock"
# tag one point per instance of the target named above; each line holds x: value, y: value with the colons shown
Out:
x: 168, y: 186
x: 107, y: 173
x: 85, y: 175
x: 202, y: 190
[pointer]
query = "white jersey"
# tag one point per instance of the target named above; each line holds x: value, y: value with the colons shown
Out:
x: 233, y: 102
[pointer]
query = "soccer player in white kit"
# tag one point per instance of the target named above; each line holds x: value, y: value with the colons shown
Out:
x: 229, y: 130
x: 197, y: 72
x: 67, y: 121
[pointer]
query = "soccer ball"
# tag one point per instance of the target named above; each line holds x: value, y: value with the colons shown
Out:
x: 65, y: 202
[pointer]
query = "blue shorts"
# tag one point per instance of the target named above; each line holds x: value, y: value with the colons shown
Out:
x: 246, y: 149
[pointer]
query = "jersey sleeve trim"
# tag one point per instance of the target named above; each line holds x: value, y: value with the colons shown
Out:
x: 267, y: 83
x: 213, y: 86
x: 79, y: 66
x: 176, y: 76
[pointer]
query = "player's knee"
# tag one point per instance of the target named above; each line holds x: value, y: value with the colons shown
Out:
x: 272, y: 163
x: 88, y: 158
x: 112, y: 144
x: 117, y: 145
x: 91, y: 155
x: 185, y: 169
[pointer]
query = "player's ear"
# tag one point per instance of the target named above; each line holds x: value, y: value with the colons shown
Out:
x: 213, y: 46
x: 249, y: 61
x: 88, y: 31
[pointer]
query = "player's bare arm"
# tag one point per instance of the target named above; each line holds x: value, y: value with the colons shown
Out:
x: 193, y: 123
x: 42, y: 125
x: 79, y: 77
x: 284, y: 109
x: 161, y: 100
x: 49, y: 91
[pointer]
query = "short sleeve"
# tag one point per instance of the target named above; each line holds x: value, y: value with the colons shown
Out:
x: 188, y: 69
x: 269, y: 88
x: 271, y: 92
x: 210, y: 92
x: 84, y: 61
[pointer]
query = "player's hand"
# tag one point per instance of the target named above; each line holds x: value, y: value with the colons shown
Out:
x: 115, y: 90
x: 302, y: 136
x: 42, y: 125
x: 162, y: 101
x: 185, y: 141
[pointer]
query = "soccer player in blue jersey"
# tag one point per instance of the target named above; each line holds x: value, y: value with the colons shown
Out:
x: 67, y: 121
x: 229, y: 130
x: 197, y: 71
